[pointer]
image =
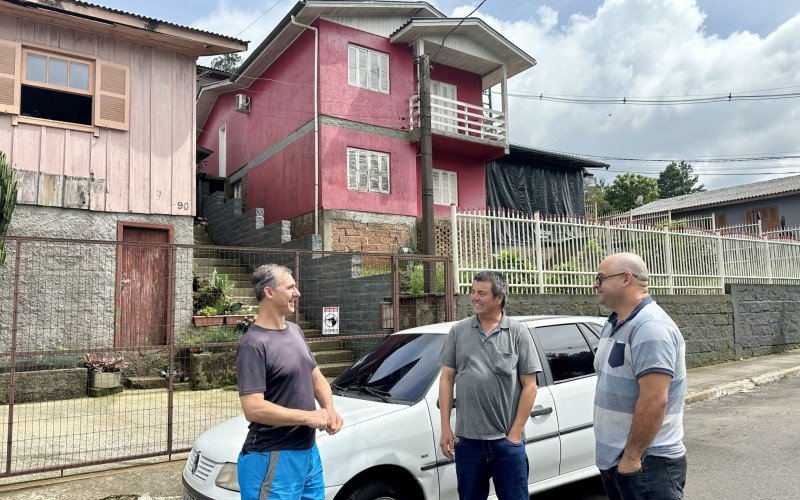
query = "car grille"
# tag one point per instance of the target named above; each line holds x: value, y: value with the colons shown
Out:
x: 199, y: 466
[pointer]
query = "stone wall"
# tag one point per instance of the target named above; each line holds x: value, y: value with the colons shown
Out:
x: 67, y: 289
x: 750, y: 320
x: 228, y: 226
x: 349, y: 231
x: 766, y: 318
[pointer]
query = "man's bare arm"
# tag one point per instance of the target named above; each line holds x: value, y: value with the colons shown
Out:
x: 526, y: 399
x: 257, y: 409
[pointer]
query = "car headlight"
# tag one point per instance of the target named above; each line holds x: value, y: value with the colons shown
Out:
x: 228, y: 477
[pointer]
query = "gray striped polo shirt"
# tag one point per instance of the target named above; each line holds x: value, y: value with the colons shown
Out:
x: 647, y: 341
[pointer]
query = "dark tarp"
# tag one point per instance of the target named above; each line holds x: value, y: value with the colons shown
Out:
x: 523, y: 184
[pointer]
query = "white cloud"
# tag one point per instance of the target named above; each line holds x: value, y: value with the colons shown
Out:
x: 230, y: 18
x: 647, y: 48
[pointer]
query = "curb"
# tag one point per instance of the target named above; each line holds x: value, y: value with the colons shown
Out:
x: 740, y: 385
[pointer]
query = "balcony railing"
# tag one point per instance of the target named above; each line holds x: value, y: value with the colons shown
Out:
x: 461, y: 119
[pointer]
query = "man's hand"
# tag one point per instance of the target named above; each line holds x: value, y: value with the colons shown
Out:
x: 317, y: 419
x: 447, y: 443
x: 335, y: 422
x: 514, y: 437
x: 629, y: 465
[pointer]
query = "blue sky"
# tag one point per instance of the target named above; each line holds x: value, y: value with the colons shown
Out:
x: 615, y: 48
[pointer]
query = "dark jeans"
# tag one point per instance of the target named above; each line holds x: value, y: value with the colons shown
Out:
x: 506, y: 463
x: 659, y: 479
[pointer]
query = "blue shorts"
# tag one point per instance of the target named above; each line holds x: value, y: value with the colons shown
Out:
x: 281, y: 475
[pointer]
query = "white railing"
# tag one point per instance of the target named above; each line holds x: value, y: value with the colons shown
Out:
x: 561, y: 254
x: 785, y: 233
x: 461, y: 119
x: 753, y: 229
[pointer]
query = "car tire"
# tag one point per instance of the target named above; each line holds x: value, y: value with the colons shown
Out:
x: 379, y: 490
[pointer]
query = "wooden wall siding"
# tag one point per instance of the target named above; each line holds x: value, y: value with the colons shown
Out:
x: 148, y: 170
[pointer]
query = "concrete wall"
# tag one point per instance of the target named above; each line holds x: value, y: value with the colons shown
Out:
x: 229, y: 226
x: 67, y: 290
x: 751, y: 320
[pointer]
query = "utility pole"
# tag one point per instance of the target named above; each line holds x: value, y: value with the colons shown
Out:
x: 428, y: 243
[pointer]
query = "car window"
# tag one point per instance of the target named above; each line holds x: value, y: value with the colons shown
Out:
x: 592, y: 336
x: 567, y: 352
x: 402, y: 367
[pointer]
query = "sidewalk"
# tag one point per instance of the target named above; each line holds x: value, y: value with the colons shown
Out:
x: 163, y: 481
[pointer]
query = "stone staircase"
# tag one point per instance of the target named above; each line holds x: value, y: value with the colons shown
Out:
x: 332, y: 354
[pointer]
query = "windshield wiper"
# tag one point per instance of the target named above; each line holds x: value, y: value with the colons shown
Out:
x: 384, y: 396
x: 338, y: 387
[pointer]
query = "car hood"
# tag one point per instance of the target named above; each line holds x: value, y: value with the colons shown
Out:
x: 222, y: 442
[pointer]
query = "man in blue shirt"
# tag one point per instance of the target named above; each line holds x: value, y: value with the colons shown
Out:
x: 641, y: 384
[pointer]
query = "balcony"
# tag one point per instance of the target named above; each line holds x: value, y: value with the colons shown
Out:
x: 453, y: 122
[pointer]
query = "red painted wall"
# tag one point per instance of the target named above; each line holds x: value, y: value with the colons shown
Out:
x: 471, y: 173
x: 281, y: 100
x: 284, y: 184
x: 340, y: 99
x: 401, y: 199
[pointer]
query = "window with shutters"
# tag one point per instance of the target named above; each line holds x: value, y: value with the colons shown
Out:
x: 367, y: 171
x: 367, y: 69
x: 63, y: 90
x: 445, y: 187
x: 55, y: 87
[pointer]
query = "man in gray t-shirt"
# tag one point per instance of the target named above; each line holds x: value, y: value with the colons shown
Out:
x: 278, y: 382
x: 494, y: 361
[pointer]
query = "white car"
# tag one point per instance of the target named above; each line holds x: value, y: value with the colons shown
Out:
x: 389, y: 445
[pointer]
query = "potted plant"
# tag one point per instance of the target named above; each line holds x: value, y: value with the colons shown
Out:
x: 208, y: 316
x: 105, y: 372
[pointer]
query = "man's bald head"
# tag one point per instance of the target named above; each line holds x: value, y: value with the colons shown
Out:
x: 629, y: 262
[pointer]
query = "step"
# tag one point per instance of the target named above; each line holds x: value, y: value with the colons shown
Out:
x: 333, y: 369
x: 337, y: 356
x: 325, y: 344
x: 212, y: 262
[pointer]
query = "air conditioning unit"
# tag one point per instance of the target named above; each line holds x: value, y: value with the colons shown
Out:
x: 242, y: 103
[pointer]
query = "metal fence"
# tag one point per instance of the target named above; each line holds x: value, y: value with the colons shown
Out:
x: 63, y: 299
x: 561, y: 254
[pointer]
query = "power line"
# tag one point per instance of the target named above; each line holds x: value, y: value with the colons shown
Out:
x: 633, y: 101
x: 433, y: 59
x: 259, y: 17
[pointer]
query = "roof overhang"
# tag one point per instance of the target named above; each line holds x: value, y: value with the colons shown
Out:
x: 555, y: 159
x: 286, y: 32
x: 123, y: 25
x: 497, y: 50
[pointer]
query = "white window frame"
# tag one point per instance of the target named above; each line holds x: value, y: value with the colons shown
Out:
x: 237, y: 190
x: 367, y: 69
x: 222, y: 146
x: 445, y: 187
x: 368, y: 171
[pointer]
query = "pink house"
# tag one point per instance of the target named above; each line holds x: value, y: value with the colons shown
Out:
x: 320, y: 125
x: 97, y: 120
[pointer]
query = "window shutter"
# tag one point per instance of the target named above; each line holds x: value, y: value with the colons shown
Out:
x: 9, y: 77
x: 384, y: 173
x: 384, y: 70
x: 112, y: 96
x: 352, y: 170
x: 352, y: 65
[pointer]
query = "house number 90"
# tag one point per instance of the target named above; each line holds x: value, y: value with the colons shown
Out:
x: 183, y: 206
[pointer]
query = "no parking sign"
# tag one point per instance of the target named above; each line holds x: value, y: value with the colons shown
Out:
x: 330, y: 321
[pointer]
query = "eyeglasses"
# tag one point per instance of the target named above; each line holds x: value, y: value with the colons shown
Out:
x: 599, y: 279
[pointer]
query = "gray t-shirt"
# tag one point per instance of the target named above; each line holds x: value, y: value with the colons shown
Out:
x: 487, y: 374
x: 277, y: 363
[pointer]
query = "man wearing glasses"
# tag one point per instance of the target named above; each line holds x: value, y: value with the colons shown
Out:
x: 641, y: 384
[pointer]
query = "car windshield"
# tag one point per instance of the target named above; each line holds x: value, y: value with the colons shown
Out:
x: 399, y: 369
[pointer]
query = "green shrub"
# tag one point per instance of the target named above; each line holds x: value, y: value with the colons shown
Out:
x: 417, y: 282
x: 511, y: 259
x: 214, y: 292
x: 211, y: 335
x: 208, y: 311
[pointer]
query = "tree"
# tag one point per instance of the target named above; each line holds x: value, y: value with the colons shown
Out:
x: 227, y: 62
x: 678, y: 179
x: 624, y: 192
x: 594, y: 192
x: 8, y: 200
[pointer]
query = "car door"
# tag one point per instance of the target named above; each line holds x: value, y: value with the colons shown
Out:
x: 570, y: 373
x: 541, y: 438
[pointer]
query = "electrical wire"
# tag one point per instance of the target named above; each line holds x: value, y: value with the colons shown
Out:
x: 433, y: 59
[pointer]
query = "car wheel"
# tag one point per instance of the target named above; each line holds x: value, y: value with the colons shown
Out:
x: 379, y: 490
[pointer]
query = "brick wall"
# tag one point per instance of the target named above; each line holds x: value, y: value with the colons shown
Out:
x: 353, y: 236
x: 750, y: 320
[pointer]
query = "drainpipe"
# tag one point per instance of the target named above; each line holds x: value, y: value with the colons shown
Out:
x: 316, y: 122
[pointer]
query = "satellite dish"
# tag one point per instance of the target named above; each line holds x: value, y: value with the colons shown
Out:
x: 639, y: 200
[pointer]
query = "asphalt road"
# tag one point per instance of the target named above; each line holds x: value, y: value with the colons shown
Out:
x: 741, y: 446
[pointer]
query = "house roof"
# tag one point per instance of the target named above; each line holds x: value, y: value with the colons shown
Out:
x: 724, y: 196
x: 120, y: 24
x: 553, y: 158
x: 489, y: 65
